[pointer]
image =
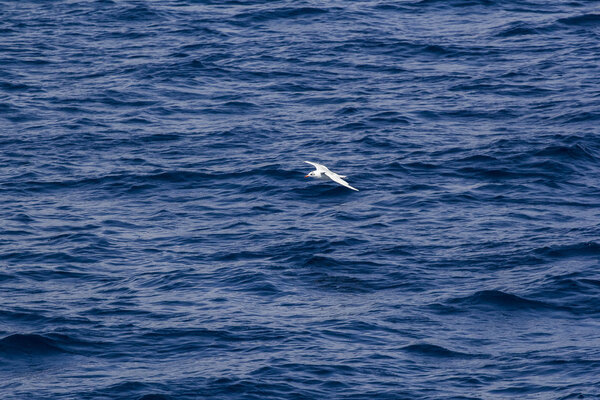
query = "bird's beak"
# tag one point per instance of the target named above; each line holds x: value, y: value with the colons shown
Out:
x: 306, y: 176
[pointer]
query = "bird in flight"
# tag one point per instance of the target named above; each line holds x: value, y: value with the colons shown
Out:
x: 322, y: 172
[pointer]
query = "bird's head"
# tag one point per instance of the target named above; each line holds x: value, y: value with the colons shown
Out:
x: 312, y: 174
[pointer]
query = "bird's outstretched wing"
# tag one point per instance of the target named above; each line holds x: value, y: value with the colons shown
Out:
x: 319, y: 167
x: 336, y: 178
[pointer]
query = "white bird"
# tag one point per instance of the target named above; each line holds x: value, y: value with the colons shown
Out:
x: 322, y: 172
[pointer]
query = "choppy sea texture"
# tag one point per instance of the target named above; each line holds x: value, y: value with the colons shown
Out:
x: 158, y: 239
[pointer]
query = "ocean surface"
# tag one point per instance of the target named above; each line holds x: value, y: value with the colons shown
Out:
x: 158, y: 239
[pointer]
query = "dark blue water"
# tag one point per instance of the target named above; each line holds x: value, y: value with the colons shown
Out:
x: 159, y: 240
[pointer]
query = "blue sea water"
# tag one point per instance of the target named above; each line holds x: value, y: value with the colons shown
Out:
x: 158, y: 239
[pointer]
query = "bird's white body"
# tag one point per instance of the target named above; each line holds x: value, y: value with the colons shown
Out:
x: 323, y: 173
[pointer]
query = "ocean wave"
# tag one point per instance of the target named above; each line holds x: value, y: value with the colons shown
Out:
x: 455, y: 3
x: 582, y: 249
x: 129, y: 181
x: 519, y: 28
x: 30, y: 345
x: 280, y: 13
x: 581, y: 20
x: 432, y: 350
x: 496, y: 300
